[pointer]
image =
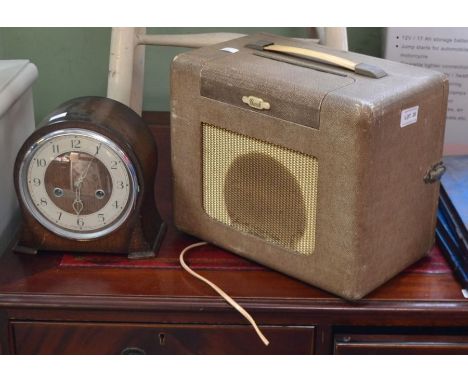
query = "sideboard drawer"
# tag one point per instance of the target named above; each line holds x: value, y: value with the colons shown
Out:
x: 400, y: 344
x: 107, y: 338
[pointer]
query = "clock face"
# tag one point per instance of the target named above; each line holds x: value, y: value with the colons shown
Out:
x: 78, y: 183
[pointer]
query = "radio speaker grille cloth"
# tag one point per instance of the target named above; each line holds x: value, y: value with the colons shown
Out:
x: 260, y: 188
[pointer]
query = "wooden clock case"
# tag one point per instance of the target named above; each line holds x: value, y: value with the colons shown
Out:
x: 142, y: 232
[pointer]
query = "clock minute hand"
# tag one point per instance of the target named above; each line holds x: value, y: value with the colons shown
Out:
x: 85, y: 174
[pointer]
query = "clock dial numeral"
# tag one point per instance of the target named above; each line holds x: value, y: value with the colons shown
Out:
x: 120, y: 184
x: 113, y: 165
x: 116, y: 204
x: 76, y: 144
x: 40, y: 162
x: 55, y: 149
x: 43, y: 202
x: 101, y: 218
x: 98, y: 147
x: 37, y: 182
x: 59, y: 215
x: 80, y: 222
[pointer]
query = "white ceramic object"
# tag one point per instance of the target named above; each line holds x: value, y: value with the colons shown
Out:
x: 16, y: 124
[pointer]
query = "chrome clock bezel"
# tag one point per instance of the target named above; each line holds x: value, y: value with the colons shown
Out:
x: 43, y: 220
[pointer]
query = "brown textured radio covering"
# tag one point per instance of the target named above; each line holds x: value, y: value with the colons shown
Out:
x: 375, y: 214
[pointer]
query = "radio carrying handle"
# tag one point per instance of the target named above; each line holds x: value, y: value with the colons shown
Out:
x: 317, y: 56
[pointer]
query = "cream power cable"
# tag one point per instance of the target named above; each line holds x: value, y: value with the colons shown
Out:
x: 223, y: 294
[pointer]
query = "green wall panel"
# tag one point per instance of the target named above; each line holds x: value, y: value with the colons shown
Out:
x: 74, y: 62
x: 366, y: 40
x: 2, y: 51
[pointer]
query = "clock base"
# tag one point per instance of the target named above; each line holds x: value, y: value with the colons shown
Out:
x: 24, y: 250
x: 134, y: 255
x: 140, y: 245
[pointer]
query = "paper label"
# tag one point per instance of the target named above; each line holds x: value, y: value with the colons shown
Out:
x: 230, y: 50
x: 409, y: 116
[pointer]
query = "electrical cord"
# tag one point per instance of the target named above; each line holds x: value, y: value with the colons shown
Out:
x: 223, y: 294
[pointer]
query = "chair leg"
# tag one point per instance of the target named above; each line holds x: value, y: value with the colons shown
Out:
x: 336, y: 38
x: 138, y: 77
x: 121, y: 62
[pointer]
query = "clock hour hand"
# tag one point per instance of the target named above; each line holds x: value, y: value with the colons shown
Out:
x: 85, y: 174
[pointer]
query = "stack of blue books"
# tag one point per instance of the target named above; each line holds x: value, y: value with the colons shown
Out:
x: 452, y: 216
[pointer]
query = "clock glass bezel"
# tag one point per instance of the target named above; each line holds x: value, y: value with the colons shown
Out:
x: 45, y: 221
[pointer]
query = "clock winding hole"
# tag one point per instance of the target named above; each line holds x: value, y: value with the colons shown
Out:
x: 58, y: 192
x: 100, y: 194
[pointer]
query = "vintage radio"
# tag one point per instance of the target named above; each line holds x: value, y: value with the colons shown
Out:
x: 319, y: 163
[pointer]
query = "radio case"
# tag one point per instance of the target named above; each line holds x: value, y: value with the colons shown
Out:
x: 325, y: 173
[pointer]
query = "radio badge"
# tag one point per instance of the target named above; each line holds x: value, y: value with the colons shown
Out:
x: 256, y: 103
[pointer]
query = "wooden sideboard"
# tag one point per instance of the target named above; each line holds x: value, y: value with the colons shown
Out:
x: 47, y: 308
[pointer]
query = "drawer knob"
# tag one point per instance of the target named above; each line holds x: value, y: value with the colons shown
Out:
x: 132, y: 351
x: 162, y: 339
